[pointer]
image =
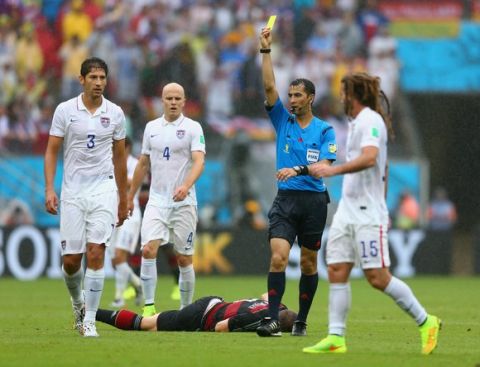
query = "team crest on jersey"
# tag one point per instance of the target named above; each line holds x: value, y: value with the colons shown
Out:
x: 180, y: 134
x: 64, y: 244
x: 105, y: 121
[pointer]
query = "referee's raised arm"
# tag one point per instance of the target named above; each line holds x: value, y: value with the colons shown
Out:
x: 271, y: 93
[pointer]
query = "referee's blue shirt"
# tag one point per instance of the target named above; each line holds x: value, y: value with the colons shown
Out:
x: 297, y: 146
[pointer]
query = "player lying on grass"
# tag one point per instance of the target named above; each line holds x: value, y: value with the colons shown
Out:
x: 205, y: 314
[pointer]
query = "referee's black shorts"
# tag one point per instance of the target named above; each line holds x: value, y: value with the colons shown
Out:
x: 300, y: 214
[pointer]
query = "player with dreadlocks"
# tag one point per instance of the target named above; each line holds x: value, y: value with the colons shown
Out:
x: 359, y: 229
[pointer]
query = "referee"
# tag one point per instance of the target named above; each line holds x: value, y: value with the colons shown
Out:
x: 300, y: 207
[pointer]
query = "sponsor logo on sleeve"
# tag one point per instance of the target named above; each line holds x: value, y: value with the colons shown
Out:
x: 332, y: 148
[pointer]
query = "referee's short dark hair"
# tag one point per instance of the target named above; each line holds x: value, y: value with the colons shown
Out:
x: 307, y: 84
x: 93, y: 63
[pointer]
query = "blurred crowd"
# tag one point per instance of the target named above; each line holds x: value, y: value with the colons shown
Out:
x: 210, y: 47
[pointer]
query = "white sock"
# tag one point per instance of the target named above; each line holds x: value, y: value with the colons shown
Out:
x: 339, y: 302
x: 186, y: 283
x: 74, y: 285
x: 122, y: 272
x: 93, y: 285
x: 133, y: 278
x: 148, y: 275
x: 404, y: 297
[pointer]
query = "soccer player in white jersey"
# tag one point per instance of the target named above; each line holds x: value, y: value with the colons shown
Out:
x: 359, y: 229
x: 124, y: 242
x: 174, y: 150
x: 91, y: 130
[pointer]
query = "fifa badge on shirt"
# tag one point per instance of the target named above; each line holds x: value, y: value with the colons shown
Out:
x: 180, y: 134
x: 105, y: 121
x: 332, y: 148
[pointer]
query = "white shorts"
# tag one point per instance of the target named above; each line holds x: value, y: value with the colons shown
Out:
x: 87, y: 220
x: 176, y: 225
x: 126, y: 236
x: 364, y: 245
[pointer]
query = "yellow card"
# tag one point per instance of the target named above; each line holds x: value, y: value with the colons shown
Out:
x: 271, y: 21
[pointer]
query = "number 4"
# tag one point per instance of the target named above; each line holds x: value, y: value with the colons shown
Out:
x: 166, y: 153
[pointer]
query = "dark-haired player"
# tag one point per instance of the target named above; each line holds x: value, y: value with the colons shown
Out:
x: 91, y: 130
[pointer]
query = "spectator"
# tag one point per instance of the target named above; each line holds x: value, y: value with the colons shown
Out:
x: 76, y: 22
x: 407, y: 215
x: 441, y: 212
x: 4, y: 126
x: 370, y: 19
x: 129, y: 64
x: 383, y: 62
x: 73, y: 52
x: 15, y: 213
x: 350, y: 38
x: 28, y: 54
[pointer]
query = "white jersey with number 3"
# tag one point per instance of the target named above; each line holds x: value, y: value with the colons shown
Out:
x: 87, y: 144
x: 170, y: 146
x: 363, y: 193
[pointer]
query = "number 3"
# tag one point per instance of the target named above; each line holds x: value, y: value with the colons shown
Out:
x: 91, y: 141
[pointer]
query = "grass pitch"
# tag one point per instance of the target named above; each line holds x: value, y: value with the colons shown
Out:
x: 36, y: 320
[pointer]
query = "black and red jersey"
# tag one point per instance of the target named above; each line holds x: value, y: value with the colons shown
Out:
x: 250, y: 311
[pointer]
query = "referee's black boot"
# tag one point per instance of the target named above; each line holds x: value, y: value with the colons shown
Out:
x: 269, y: 327
x: 299, y: 328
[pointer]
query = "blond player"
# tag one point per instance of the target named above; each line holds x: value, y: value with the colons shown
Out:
x: 94, y: 188
x: 174, y: 149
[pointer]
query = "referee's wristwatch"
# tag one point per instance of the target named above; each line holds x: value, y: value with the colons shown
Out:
x: 297, y: 169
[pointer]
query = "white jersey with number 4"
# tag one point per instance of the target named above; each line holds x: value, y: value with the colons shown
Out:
x: 363, y: 193
x: 170, y: 146
x: 87, y: 145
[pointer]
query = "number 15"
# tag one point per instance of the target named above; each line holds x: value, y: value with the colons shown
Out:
x: 371, y: 248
